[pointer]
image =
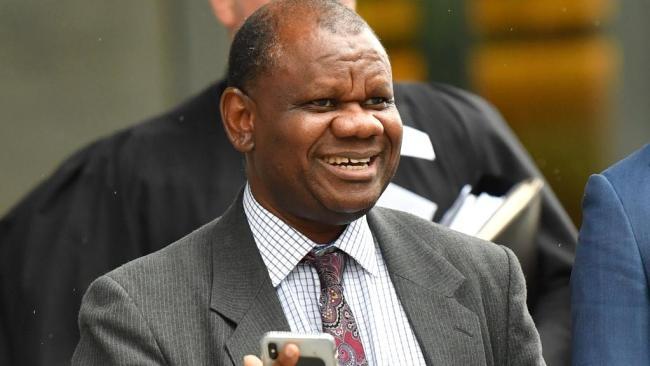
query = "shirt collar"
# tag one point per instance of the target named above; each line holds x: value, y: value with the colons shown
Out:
x: 282, y: 247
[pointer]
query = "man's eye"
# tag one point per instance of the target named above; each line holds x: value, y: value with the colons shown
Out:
x: 377, y: 102
x: 323, y: 103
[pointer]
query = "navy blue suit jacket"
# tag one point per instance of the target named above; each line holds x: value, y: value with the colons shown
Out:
x: 610, y: 290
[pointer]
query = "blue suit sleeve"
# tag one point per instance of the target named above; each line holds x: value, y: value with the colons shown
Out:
x: 609, y: 288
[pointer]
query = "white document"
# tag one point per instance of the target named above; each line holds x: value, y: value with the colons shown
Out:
x: 474, y: 211
x: 399, y: 198
x: 463, y: 218
x: 417, y: 144
x: 488, y: 205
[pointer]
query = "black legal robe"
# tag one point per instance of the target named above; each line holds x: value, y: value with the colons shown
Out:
x: 140, y: 189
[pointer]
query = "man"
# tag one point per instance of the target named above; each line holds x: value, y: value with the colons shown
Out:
x: 130, y: 194
x: 610, y: 289
x: 310, y: 105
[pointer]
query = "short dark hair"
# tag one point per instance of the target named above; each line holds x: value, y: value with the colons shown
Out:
x: 257, y: 45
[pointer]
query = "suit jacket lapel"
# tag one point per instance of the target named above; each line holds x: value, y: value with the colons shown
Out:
x: 241, y: 288
x: 426, y: 283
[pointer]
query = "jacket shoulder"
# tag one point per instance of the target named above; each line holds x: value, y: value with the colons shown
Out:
x: 185, y: 263
x: 470, y: 255
x: 630, y: 179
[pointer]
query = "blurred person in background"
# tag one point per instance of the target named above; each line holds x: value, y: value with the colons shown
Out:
x: 610, y: 295
x: 134, y: 192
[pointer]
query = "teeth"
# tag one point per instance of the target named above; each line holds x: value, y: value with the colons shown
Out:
x: 348, y: 163
x: 357, y: 161
x: 354, y: 167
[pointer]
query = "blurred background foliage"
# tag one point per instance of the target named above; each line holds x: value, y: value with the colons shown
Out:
x: 570, y: 76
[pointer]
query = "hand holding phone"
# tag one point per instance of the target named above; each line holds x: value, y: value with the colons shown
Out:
x: 315, y: 349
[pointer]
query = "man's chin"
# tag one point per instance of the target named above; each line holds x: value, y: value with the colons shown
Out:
x: 346, y: 212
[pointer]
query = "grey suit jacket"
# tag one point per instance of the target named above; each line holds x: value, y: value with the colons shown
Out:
x: 207, y: 299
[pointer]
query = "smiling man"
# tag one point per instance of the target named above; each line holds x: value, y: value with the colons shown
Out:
x: 310, y: 104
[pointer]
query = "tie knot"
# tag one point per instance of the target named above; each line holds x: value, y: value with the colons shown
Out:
x: 329, y: 266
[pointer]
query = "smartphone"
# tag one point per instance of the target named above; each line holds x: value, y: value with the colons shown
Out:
x: 315, y: 349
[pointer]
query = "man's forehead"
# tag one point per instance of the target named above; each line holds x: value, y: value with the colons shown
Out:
x: 321, y: 45
x: 332, y: 68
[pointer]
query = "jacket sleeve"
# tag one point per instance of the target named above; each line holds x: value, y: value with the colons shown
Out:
x: 524, y: 345
x: 113, y: 330
x: 610, y: 299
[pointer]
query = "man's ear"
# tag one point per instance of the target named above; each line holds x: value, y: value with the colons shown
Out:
x: 224, y: 10
x: 237, y: 114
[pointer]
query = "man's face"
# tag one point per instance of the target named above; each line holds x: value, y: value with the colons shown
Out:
x: 327, y: 135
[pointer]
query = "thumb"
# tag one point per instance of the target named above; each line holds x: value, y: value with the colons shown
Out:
x: 289, y: 355
x: 252, y: 361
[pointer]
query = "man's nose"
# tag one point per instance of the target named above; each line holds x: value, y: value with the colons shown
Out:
x: 357, y: 122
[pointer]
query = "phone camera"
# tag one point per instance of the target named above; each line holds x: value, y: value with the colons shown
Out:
x: 273, y: 351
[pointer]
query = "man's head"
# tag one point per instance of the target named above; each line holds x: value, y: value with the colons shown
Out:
x: 233, y: 13
x: 310, y: 104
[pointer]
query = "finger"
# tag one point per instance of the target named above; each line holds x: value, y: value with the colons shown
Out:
x: 289, y: 355
x: 252, y: 361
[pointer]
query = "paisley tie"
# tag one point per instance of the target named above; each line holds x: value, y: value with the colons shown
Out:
x: 335, y: 312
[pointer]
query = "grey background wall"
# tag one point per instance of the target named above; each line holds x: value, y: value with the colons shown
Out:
x: 73, y: 70
x: 633, y: 113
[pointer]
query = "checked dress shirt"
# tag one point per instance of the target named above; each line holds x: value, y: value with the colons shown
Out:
x: 385, y: 332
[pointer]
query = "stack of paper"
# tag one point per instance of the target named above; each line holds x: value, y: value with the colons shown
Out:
x: 487, y: 216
